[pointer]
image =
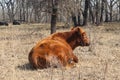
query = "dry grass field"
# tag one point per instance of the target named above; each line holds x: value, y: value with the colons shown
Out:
x: 99, y: 61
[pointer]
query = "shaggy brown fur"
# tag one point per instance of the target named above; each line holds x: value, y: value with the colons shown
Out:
x: 57, y: 49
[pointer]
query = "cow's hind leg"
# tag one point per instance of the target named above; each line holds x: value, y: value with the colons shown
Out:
x: 66, y: 61
x: 75, y: 58
x: 37, y: 61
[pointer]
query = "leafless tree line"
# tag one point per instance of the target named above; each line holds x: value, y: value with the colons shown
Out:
x: 78, y: 11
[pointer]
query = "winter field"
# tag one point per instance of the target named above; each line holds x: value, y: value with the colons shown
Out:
x: 99, y: 61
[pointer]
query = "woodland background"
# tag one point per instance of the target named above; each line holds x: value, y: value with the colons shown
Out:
x: 78, y: 11
x: 99, y: 18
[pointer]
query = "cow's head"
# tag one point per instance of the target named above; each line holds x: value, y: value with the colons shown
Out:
x: 81, y: 37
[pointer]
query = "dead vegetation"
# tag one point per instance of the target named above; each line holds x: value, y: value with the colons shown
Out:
x: 100, y: 61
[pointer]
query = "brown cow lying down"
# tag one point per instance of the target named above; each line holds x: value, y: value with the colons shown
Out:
x: 57, y: 49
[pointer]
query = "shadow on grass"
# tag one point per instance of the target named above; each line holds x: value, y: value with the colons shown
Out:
x: 26, y: 66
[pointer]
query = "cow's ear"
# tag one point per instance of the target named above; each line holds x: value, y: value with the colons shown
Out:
x: 77, y: 29
x: 72, y: 28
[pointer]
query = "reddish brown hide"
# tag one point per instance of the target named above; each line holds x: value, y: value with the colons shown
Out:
x: 57, y: 49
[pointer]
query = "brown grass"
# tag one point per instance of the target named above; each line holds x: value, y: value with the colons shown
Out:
x: 100, y: 61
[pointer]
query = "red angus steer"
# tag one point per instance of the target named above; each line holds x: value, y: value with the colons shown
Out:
x: 57, y: 49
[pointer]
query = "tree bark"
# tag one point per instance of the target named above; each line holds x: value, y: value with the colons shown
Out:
x: 85, y: 15
x: 102, y: 9
x: 119, y: 10
x: 106, y: 11
x: 74, y: 19
x: 97, y: 13
x: 91, y: 14
x: 3, y: 11
x: 54, y: 15
x: 111, y: 9
x: 79, y: 22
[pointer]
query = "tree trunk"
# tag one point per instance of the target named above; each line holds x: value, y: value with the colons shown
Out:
x: 119, y: 10
x: 85, y: 15
x: 54, y: 16
x: 111, y: 8
x: 102, y: 8
x: 23, y: 5
x: 74, y: 19
x: 106, y: 16
x: 27, y: 13
x: 20, y: 14
x: 3, y: 11
x: 97, y: 13
x: 79, y: 23
x: 10, y: 8
x: 106, y: 11
x: 91, y: 14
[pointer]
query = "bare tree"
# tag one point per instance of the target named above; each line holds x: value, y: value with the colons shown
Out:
x: 119, y: 8
x: 74, y: 19
x: 54, y: 15
x: 85, y: 14
x: 106, y: 11
x: 3, y: 10
x: 10, y: 9
x: 97, y: 12
x: 91, y: 12
x: 102, y: 9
